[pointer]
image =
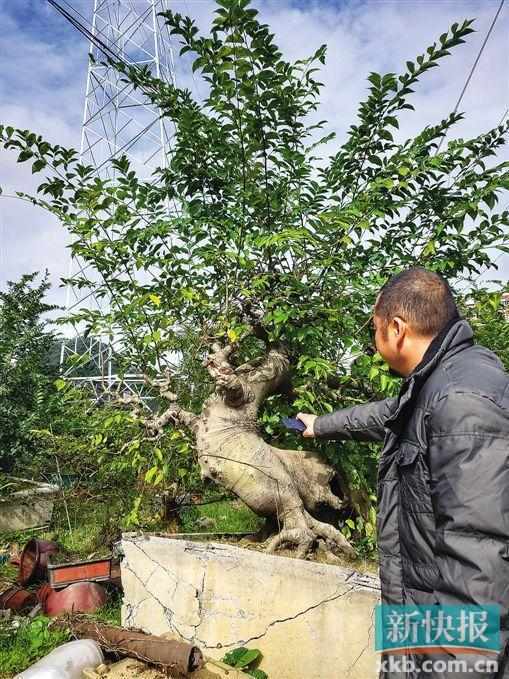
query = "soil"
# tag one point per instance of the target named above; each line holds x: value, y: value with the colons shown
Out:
x: 318, y: 555
x: 64, y: 557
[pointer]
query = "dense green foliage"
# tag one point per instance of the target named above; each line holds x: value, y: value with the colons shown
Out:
x: 25, y: 370
x: 248, y: 231
x: 104, y: 448
x: 485, y: 312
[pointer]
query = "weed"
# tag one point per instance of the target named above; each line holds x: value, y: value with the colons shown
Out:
x: 23, y: 642
x: 110, y: 612
x: 225, y: 516
x: 246, y: 659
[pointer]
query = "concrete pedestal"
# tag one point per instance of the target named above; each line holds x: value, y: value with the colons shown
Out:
x: 310, y: 620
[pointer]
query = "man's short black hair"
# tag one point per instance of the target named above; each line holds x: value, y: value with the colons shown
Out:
x: 420, y: 297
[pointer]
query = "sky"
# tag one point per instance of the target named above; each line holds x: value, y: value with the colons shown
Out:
x: 42, y: 86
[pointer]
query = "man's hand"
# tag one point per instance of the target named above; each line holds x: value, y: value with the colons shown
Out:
x: 309, y: 421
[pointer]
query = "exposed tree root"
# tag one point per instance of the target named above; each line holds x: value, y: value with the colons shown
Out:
x: 305, y: 537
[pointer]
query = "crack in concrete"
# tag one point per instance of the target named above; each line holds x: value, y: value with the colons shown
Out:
x: 166, y: 570
x: 242, y: 642
x: 367, y: 645
x: 168, y: 613
x: 199, y: 595
x: 354, y: 579
x: 133, y: 609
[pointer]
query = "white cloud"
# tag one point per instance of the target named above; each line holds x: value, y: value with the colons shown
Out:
x: 43, y: 86
x: 40, y: 89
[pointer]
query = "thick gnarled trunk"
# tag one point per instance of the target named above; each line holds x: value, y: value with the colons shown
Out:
x: 288, y: 485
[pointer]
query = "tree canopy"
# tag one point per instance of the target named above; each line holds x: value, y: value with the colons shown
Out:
x: 248, y: 221
x: 25, y: 370
x: 248, y: 235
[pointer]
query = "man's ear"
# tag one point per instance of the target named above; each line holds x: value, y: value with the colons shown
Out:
x: 399, y: 328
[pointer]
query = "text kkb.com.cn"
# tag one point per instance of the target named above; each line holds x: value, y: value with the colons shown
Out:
x: 405, y: 635
x: 395, y: 664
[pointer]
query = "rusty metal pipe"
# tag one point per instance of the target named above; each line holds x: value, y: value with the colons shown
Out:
x: 166, y: 653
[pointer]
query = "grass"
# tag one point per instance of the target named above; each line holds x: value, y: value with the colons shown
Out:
x: 23, y: 641
x: 93, y: 526
x: 8, y: 573
x: 226, y: 516
x: 109, y: 614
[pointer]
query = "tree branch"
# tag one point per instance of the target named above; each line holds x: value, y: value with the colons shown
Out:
x: 155, y: 424
x: 232, y: 389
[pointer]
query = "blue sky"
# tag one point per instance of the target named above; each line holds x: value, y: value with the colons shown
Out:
x: 42, y: 84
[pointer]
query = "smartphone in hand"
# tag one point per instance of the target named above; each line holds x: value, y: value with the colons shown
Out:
x: 293, y: 423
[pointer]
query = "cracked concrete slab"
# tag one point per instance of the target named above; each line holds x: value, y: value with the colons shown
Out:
x: 310, y: 620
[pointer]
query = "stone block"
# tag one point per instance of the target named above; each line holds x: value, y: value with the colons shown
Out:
x: 124, y: 669
x: 310, y: 620
x: 28, y: 508
x: 134, y: 669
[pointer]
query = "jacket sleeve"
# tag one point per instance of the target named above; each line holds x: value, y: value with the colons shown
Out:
x: 361, y: 423
x: 468, y: 448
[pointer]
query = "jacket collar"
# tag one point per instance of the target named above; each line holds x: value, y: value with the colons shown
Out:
x: 456, y: 336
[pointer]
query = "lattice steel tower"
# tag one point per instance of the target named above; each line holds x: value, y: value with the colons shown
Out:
x: 117, y: 120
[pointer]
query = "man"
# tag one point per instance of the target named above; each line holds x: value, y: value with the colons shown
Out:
x: 443, y: 480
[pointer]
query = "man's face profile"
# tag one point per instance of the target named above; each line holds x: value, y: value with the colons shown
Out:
x: 390, y: 342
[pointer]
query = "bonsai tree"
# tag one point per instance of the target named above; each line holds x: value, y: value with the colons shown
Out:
x: 242, y: 274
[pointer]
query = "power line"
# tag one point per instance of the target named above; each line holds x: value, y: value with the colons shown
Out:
x: 503, y: 117
x: 114, y: 48
x: 92, y: 37
x: 474, y: 66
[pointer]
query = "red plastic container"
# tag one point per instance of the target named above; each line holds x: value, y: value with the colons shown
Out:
x: 63, y: 574
x: 17, y: 599
x: 33, y: 563
x: 82, y: 597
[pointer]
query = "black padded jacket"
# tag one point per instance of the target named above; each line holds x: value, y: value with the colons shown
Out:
x: 443, y: 480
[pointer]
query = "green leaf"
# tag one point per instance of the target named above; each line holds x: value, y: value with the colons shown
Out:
x: 26, y: 154
x: 60, y: 384
x: 232, y: 657
x: 375, y: 78
x: 257, y: 674
x: 248, y: 657
x: 150, y: 474
x: 38, y: 165
x: 232, y: 335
